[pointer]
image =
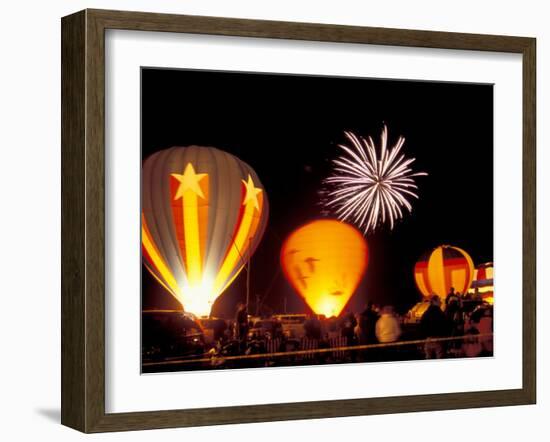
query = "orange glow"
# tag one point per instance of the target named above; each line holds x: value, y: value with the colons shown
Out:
x: 444, y: 267
x: 324, y: 261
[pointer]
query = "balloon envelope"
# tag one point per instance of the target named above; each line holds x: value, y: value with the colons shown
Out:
x: 324, y: 261
x: 442, y: 268
x: 204, y: 212
x: 483, y: 281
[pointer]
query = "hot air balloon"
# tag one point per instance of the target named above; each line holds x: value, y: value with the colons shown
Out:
x: 204, y: 212
x: 324, y: 261
x: 442, y: 268
x: 483, y: 281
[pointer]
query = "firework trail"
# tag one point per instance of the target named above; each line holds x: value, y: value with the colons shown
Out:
x: 370, y: 186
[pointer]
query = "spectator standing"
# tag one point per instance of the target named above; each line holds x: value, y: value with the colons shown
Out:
x: 332, y: 330
x: 312, y: 327
x: 387, y: 327
x: 241, y: 322
x: 450, y: 296
x: 387, y: 330
x: 367, y: 325
x: 347, y: 327
x: 453, y: 312
x: 433, y: 325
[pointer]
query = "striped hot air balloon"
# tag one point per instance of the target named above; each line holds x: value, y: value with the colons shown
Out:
x: 483, y: 275
x: 483, y: 281
x: 204, y: 212
x: 442, y: 268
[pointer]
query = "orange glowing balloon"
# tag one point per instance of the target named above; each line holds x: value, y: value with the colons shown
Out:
x: 324, y: 261
x: 442, y: 268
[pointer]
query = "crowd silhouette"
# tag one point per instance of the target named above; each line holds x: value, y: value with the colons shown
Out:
x: 458, y: 326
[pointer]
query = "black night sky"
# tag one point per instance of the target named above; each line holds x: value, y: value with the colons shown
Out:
x: 287, y: 128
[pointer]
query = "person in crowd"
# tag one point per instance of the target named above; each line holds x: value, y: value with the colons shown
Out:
x: 452, y: 296
x: 241, y: 322
x: 347, y: 324
x: 387, y: 327
x: 347, y: 327
x: 466, y: 303
x: 433, y: 325
x: 331, y: 327
x: 453, y: 313
x: 367, y: 325
x: 477, y: 299
x: 312, y: 327
x: 387, y: 330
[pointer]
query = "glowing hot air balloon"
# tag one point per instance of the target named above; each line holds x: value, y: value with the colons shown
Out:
x: 483, y: 281
x: 442, y: 268
x: 324, y: 261
x: 204, y: 212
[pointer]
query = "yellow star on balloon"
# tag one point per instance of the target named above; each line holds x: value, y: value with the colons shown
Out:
x: 251, y: 193
x: 189, y: 181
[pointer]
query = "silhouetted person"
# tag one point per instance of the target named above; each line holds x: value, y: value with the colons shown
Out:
x: 241, y: 322
x: 332, y: 327
x: 477, y: 300
x: 367, y: 325
x: 477, y: 295
x: 347, y: 327
x: 451, y: 297
x: 453, y: 312
x: 433, y: 325
x: 312, y: 327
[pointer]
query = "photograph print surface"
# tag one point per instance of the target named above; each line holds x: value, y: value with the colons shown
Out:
x: 292, y: 220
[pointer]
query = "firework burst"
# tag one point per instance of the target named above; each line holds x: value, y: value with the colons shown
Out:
x: 370, y: 186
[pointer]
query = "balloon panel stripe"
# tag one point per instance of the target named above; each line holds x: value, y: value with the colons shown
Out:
x: 177, y: 218
x: 157, y: 261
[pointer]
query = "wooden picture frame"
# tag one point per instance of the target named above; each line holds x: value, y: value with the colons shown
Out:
x: 83, y: 220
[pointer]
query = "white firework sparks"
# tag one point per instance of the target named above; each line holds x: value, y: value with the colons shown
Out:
x: 370, y: 189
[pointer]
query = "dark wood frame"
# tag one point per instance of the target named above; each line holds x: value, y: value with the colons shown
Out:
x: 83, y: 216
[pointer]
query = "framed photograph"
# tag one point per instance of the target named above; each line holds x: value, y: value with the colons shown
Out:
x: 266, y: 221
